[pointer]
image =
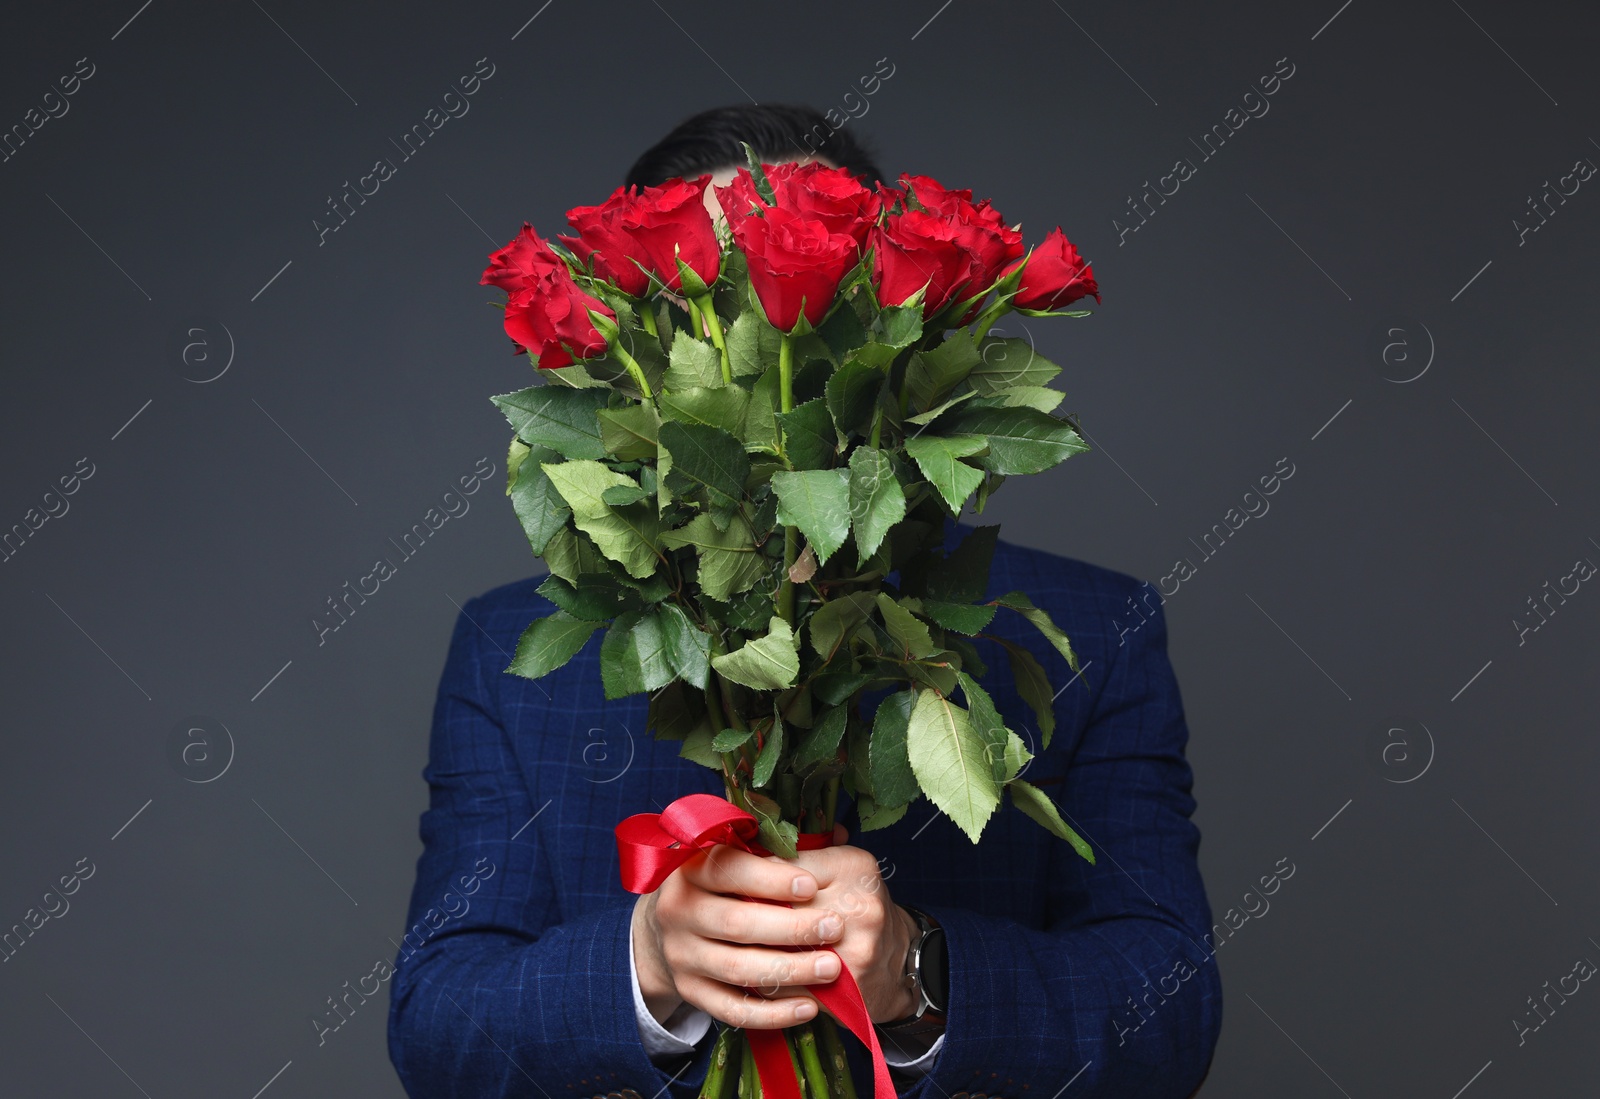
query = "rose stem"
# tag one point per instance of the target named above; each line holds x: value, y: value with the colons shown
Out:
x: 790, y: 1038
x: 634, y: 371
x: 838, y: 1065
x: 717, y: 1076
x: 714, y: 324
x: 805, y: 1040
x: 647, y: 317
x: 791, y: 546
x: 749, y: 1075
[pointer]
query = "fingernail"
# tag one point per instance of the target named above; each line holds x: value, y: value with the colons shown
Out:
x: 827, y: 965
x: 804, y: 1011
x: 829, y: 926
x: 802, y: 886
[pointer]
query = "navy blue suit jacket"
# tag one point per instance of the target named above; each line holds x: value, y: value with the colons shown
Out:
x: 513, y: 979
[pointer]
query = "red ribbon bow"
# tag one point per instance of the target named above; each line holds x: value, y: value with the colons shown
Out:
x: 653, y: 845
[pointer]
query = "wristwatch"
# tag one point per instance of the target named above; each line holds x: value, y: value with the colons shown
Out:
x: 927, y: 973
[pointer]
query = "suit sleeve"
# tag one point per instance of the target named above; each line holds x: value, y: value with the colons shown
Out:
x: 1119, y: 994
x: 494, y: 994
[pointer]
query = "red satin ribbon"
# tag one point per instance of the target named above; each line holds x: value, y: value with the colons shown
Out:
x: 653, y: 845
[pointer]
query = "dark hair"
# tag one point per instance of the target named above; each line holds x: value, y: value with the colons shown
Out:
x: 711, y: 140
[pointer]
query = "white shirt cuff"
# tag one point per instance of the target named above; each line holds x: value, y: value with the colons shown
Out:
x: 687, y: 1026
x: 921, y: 1066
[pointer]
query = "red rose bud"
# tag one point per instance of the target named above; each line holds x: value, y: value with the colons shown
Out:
x: 551, y: 319
x: 794, y: 259
x: 520, y: 264
x: 669, y: 223
x: 602, y: 241
x: 1054, y: 275
x: 913, y: 249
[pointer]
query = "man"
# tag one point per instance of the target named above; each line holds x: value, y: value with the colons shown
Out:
x: 1009, y: 968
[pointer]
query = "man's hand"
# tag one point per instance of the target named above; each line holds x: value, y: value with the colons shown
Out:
x: 696, y: 940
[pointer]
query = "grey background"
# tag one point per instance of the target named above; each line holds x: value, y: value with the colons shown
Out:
x: 1245, y: 322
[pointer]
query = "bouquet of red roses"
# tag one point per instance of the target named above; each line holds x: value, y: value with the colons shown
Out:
x: 749, y: 436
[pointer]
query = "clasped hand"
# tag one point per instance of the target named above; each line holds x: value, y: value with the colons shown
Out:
x: 748, y: 963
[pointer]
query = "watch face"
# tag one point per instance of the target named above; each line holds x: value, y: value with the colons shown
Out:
x: 936, y: 970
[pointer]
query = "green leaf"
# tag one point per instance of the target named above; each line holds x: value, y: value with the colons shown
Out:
x: 809, y: 438
x: 852, y: 392
x: 947, y: 757
x: 767, y: 758
x: 516, y: 454
x: 538, y: 505
x: 963, y: 577
x: 622, y: 495
x: 900, y: 326
x: 834, y: 687
x: 893, y: 782
x: 692, y: 363
x: 776, y: 834
x: 758, y: 174
x: 729, y: 739
x: 1016, y: 756
x: 594, y: 598
x: 821, y: 744
x: 908, y: 631
x: 572, y: 556
x: 576, y: 376
x: 633, y: 656
x: 1020, y: 603
x: 627, y: 535
x: 1008, y: 363
x: 1037, y: 804
x: 989, y: 724
x: 766, y: 663
x: 877, y: 500
x: 629, y: 433
x: 729, y: 561
x: 817, y: 501
x: 842, y: 331
x: 761, y: 421
x: 939, y: 459
x: 1021, y: 440
x: 724, y: 408
x: 960, y: 617
x: 548, y: 643
x: 565, y: 420
x: 1040, y: 397
x: 931, y: 374
x: 752, y: 344
x: 708, y: 456
x: 836, y: 619
x: 926, y: 418
x: 875, y: 816
x: 688, y: 646
x: 1034, y: 687
x: 697, y: 748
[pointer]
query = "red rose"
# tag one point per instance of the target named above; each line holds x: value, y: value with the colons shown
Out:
x: 602, y: 240
x: 795, y: 264
x: 1054, y: 275
x: 915, y: 248
x: 738, y: 197
x: 669, y: 223
x: 832, y: 196
x: 523, y: 262
x: 551, y: 319
x: 985, y: 235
